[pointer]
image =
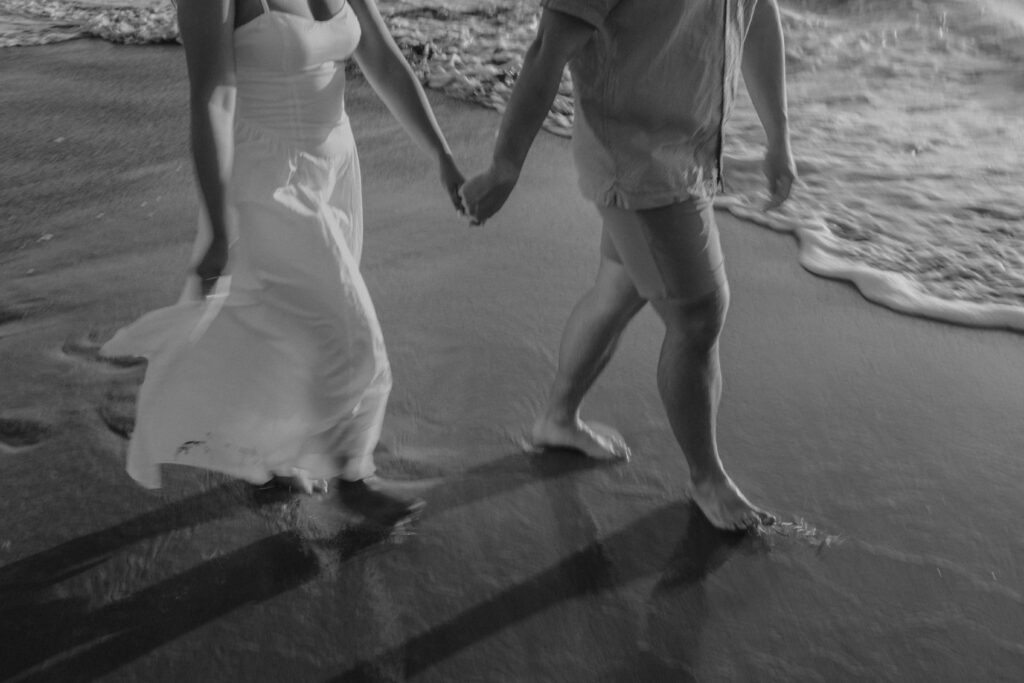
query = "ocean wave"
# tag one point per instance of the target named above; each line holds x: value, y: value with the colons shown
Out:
x: 905, y: 115
x: 40, y: 22
x: 908, y: 131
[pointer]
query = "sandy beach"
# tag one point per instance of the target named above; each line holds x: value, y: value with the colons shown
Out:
x: 888, y: 445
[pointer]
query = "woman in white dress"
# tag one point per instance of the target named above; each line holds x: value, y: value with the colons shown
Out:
x: 272, y: 363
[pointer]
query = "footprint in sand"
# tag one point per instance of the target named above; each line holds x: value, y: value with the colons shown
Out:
x: 17, y: 433
x: 118, y: 407
x: 85, y: 346
x: 10, y: 315
x: 14, y: 313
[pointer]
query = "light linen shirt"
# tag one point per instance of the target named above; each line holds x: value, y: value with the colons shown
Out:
x: 653, y: 87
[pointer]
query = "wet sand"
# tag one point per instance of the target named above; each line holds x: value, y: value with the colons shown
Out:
x: 888, y: 445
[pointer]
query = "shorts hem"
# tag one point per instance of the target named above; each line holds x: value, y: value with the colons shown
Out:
x: 617, y: 199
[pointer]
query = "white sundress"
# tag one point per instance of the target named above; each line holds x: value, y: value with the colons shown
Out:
x: 283, y: 370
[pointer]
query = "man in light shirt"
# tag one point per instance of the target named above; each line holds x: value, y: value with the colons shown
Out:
x: 654, y: 81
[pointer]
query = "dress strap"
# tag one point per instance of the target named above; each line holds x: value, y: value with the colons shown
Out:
x: 266, y: 8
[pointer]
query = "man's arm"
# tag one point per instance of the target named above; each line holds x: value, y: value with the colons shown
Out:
x: 764, y: 71
x: 559, y: 37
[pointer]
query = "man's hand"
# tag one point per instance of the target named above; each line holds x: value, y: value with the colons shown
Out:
x: 212, y: 265
x: 484, y: 194
x: 780, y: 170
x: 560, y: 36
x: 452, y: 181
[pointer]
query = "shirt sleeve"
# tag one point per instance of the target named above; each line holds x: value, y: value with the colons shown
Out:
x: 594, y: 12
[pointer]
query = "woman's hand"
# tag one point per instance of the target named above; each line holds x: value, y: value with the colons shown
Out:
x: 487, y: 192
x: 452, y: 180
x: 212, y: 265
x: 780, y: 171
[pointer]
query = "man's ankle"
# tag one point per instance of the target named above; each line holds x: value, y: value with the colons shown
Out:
x: 560, y: 416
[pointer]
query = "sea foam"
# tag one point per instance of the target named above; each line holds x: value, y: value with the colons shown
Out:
x: 906, y: 118
x: 908, y: 127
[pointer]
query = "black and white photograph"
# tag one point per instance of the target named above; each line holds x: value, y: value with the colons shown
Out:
x: 512, y: 341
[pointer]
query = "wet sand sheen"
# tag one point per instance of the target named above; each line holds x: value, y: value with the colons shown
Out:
x: 905, y: 120
x: 888, y: 444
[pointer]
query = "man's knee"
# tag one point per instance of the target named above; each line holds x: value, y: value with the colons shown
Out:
x: 616, y: 288
x: 695, y: 321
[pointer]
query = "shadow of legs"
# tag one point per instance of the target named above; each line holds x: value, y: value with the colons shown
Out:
x: 106, y: 639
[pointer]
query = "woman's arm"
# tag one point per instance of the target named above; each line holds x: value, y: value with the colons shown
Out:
x: 559, y: 37
x: 764, y: 71
x: 207, y: 28
x: 392, y: 79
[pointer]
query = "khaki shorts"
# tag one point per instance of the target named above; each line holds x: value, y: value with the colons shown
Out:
x: 670, y: 252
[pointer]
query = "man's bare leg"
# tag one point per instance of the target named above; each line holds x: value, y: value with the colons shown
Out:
x: 690, y: 383
x: 588, y: 342
x: 673, y: 256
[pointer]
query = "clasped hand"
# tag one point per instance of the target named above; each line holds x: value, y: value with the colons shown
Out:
x: 484, y: 194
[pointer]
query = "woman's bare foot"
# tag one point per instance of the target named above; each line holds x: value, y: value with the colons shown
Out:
x: 594, y: 440
x: 726, y: 507
x: 378, y: 500
x: 293, y: 483
x: 297, y: 483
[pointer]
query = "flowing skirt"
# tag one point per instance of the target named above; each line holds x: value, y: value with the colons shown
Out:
x: 283, y: 370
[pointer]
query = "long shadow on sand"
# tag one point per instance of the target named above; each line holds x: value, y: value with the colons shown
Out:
x: 604, y: 565
x: 72, y: 640
x: 36, y: 626
x: 504, y: 475
x: 103, y: 640
x: 78, y: 555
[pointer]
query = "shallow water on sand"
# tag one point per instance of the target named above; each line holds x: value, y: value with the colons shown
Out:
x: 906, y: 120
x: 908, y: 128
x: 908, y: 566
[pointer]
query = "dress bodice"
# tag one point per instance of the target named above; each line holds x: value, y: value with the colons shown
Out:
x: 290, y: 75
x: 287, y: 43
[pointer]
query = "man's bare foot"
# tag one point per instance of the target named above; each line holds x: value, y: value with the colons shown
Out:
x: 726, y: 507
x: 594, y: 440
x: 378, y: 500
